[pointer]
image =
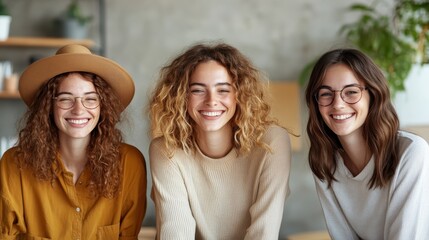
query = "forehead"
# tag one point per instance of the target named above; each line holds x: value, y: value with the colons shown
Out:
x: 210, y: 72
x: 75, y: 83
x: 339, y: 75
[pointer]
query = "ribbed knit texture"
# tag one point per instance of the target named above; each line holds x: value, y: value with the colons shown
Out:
x: 197, y: 197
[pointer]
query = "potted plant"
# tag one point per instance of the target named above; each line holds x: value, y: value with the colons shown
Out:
x: 73, y: 23
x: 5, y: 19
x: 412, y: 23
x: 412, y: 18
x: 374, y: 34
x: 3, y: 9
x: 399, y: 44
x: 394, y: 41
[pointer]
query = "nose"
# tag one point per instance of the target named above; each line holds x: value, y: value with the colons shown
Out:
x: 338, y: 101
x: 78, y: 106
x: 211, y: 99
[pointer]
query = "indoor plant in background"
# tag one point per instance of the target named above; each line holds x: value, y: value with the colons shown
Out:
x: 399, y: 43
x: 5, y: 20
x: 412, y: 21
x: 73, y: 23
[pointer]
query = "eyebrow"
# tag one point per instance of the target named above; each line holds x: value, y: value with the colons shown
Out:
x: 348, y: 85
x: 204, y: 85
x: 69, y: 93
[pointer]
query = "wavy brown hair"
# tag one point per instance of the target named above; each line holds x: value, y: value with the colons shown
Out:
x: 168, y: 103
x: 380, y: 128
x: 39, y: 142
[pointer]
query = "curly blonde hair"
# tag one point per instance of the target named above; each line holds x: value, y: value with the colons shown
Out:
x: 39, y: 142
x: 168, y: 103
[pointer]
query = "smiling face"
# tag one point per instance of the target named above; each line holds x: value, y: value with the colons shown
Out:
x: 78, y: 121
x: 342, y: 118
x: 212, y: 98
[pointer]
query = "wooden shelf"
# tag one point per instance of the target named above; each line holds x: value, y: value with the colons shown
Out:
x: 38, y: 42
x: 44, y: 42
x: 9, y: 95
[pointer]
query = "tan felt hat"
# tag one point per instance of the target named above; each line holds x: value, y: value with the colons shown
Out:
x: 72, y: 58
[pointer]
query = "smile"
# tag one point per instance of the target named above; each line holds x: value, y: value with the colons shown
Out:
x: 342, y: 117
x: 78, y: 121
x: 211, y: 114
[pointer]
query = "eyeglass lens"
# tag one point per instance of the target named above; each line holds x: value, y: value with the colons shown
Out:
x: 349, y: 94
x: 67, y: 101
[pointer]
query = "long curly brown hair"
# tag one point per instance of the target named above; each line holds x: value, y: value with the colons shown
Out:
x: 39, y: 142
x: 380, y: 128
x: 168, y: 103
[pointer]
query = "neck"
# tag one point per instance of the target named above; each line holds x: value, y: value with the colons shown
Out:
x: 216, y: 144
x: 73, y: 156
x: 356, y: 154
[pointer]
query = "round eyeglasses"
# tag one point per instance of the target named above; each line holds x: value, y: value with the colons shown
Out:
x: 66, y: 101
x: 350, y: 94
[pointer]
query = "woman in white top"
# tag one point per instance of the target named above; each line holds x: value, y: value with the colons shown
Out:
x: 371, y: 178
x: 219, y: 164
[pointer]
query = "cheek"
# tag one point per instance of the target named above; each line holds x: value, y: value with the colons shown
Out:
x: 96, y: 113
x: 57, y: 116
x: 364, y: 105
x: 365, y: 111
x: 231, y: 101
x: 321, y: 110
x: 189, y: 108
x: 192, y: 103
x: 366, y: 100
x: 324, y: 113
x: 233, y: 105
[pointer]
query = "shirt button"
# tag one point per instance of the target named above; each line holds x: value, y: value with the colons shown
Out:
x: 77, y: 209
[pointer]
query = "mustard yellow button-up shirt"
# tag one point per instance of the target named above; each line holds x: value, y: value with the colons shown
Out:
x: 38, y: 209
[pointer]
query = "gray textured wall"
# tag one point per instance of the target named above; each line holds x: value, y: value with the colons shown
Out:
x: 142, y: 35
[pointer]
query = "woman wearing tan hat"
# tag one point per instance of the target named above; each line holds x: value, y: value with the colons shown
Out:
x: 220, y: 165
x: 70, y: 175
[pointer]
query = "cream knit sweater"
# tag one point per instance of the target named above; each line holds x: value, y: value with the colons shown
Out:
x: 234, y: 197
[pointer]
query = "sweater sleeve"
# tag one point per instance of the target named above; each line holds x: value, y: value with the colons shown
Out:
x: 407, y: 215
x: 267, y: 211
x: 174, y: 219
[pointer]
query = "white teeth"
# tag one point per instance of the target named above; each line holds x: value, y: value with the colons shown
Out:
x: 341, y: 117
x: 78, y: 121
x: 211, y: 114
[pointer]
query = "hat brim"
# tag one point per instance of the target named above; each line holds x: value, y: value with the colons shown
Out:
x: 44, y: 69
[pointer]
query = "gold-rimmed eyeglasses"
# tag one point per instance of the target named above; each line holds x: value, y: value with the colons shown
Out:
x: 350, y: 94
x: 66, y: 101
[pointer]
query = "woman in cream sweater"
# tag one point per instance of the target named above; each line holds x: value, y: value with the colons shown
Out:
x: 220, y: 165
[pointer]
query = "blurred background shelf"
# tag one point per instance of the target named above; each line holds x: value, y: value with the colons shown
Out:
x: 9, y: 95
x: 44, y: 42
x: 37, y: 42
